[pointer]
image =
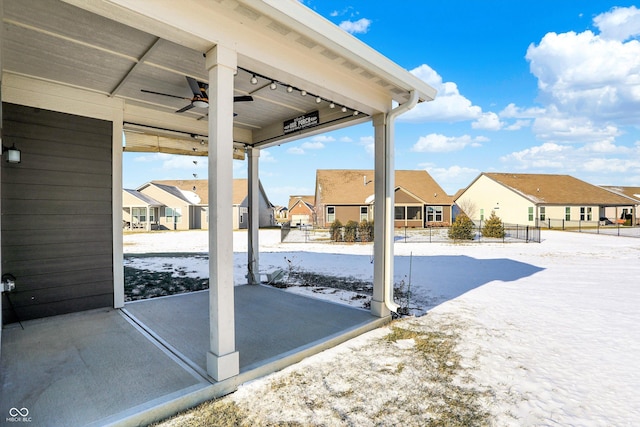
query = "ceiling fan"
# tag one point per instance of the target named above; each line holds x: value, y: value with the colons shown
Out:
x: 200, y: 98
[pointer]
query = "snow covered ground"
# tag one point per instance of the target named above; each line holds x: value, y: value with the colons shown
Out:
x: 551, y: 328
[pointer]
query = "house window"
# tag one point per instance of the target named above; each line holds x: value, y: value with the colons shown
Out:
x: 585, y: 213
x: 481, y: 214
x: 331, y: 213
x: 530, y: 213
x: 567, y: 213
x: 434, y: 213
x: 414, y: 212
x: 172, y: 214
x: 543, y: 213
x: 399, y: 212
x: 364, y: 213
x: 152, y: 214
x: 139, y: 215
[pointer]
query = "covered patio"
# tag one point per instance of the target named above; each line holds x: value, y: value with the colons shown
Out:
x: 83, y: 81
x: 144, y: 362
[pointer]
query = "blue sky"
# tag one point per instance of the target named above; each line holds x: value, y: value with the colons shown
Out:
x: 523, y: 86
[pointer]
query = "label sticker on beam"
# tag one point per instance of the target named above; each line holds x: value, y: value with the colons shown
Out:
x: 302, y: 122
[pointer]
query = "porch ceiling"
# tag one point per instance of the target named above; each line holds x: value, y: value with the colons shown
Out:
x: 109, y: 48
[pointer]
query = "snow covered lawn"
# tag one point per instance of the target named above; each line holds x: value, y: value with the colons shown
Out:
x: 547, y: 334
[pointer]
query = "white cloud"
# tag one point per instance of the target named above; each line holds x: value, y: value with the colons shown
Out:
x: 448, y: 106
x: 438, y: 143
x: 558, y: 127
x: 605, y: 146
x: 547, y: 155
x: 368, y: 142
x: 360, y: 26
x: 488, y: 121
x: 173, y: 161
x: 518, y: 124
x: 267, y: 157
x: 512, y: 111
x: 621, y: 23
x: 452, y: 178
x: 590, y: 75
x: 295, y: 150
x: 312, y: 145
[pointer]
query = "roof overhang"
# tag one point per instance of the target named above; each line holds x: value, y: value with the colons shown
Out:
x: 110, y: 50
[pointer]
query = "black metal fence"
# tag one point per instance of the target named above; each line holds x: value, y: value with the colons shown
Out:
x: 512, y: 233
x: 596, y: 227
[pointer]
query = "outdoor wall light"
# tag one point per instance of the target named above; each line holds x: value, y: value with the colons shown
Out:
x: 13, y: 154
x: 8, y: 282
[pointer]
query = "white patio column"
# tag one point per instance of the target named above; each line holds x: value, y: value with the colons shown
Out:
x: 148, y: 225
x: 253, y: 273
x: 223, y: 360
x: 382, y: 217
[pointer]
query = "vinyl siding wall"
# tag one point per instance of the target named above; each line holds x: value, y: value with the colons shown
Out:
x: 57, y: 213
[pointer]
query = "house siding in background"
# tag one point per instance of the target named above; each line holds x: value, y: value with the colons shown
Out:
x: 57, y: 213
x: 348, y: 195
x: 536, y: 199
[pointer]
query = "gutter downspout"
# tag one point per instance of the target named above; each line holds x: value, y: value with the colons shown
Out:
x: 389, y: 133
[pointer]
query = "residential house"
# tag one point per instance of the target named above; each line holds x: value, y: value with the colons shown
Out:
x: 241, y: 205
x: 183, y: 205
x: 181, y: 209
x: 631, y: 192
x: 348, y: 195
x: 538, y: 199
x: 282, y: 213
x: 139, y: 211
x: 301, y: 210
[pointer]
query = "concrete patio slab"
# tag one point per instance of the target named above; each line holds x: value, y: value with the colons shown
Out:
x: 77, y: 369
x: 143, y: 363
x: 270, y: 323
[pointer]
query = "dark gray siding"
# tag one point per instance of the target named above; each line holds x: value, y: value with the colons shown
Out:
x: 56, y: 213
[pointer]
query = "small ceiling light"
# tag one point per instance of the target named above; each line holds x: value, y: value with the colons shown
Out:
x: 355, y: 113
x: 318, y: 100
x: 332, y: 105
x: 254, y: 80
x: 289, y: 89
x: 273, y: 86
x: 13, y: 154
x: 303, y: 92
x: 343, y: 109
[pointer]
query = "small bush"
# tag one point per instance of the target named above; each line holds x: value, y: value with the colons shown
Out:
x: 350, y: 231
x: 336, y: 231
x: 462, y: 228
x: 366, y: 231
x: 493, y: 227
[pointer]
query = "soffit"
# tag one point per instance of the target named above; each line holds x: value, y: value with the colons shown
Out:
x: 114, y: 49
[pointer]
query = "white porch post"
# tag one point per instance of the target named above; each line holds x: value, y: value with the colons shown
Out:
x: 223, y: 360
x: 383, y: 217
x: 253, y: 251
x: 148, y: 225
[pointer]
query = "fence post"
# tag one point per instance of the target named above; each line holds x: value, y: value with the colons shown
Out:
x: 527, y: 235
x: 405, y: 234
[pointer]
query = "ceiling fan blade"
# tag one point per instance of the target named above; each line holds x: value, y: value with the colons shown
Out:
x: 242, y: 98
x: 195, y: 87
x: 164, y: 94
x: 185, y: 108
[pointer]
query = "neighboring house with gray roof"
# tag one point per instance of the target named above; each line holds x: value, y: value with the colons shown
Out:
x: 539, y: 199
x: 139, y: 211
x: 183, y: 205
x: 348, y: 195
